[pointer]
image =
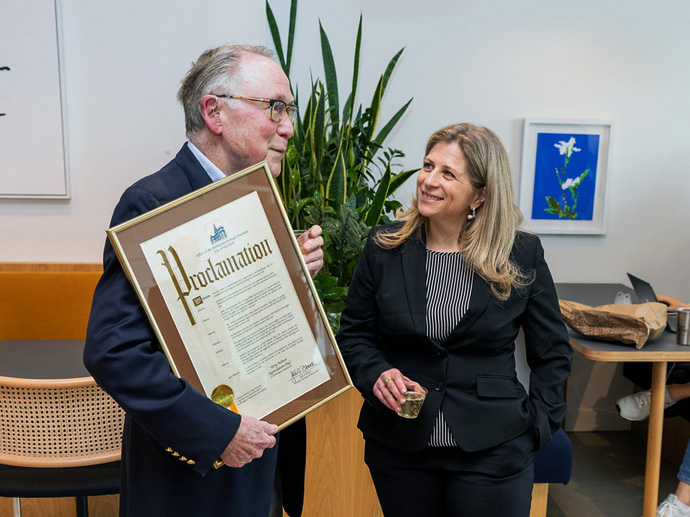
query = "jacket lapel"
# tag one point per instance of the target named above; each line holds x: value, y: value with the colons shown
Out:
x: 479, y: 300
x: 413, y: 256
x: 191, y: 167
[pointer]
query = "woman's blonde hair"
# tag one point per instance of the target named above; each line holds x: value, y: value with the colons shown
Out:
x: 487, y: 240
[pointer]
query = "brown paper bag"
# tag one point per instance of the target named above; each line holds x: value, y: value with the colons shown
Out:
x: 629, y: 324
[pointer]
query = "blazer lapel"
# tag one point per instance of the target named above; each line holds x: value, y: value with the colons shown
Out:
x: 413, y: 257
x: 191, y: 167
x: 479, y: 300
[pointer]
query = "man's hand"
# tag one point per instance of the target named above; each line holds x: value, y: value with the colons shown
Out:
x: 251, y: 439
x: 310, y: 243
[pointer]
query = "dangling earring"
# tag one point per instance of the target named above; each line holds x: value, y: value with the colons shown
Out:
x: 472, y: 215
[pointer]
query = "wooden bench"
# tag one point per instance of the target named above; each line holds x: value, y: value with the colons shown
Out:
x: 46, y: 301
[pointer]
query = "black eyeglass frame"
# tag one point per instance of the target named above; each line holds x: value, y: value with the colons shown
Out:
x: 290, y: 109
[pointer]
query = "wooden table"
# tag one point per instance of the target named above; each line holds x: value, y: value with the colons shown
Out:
x: 658, y: 352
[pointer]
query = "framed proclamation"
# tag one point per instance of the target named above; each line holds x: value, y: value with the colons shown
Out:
x: 223, y: 283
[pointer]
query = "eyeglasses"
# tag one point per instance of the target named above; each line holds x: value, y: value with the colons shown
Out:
x: 278, y: 107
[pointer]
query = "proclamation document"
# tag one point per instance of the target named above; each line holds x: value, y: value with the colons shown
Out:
x: 226, y: 286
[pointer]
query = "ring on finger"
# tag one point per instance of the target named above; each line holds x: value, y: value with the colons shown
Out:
x: 385, y: 381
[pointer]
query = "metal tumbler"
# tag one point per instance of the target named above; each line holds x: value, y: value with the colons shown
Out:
x: 683, y: 334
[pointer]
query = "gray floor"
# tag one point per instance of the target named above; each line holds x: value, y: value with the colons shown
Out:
x: 608, y: 477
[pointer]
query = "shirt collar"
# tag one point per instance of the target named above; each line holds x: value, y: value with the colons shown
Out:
x: 213, y: 172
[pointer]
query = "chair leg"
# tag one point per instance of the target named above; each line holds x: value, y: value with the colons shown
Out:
x: 540, y: 497
x: 17, y: 507
x: 82, y: 506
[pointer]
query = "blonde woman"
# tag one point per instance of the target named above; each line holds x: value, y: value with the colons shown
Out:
x: 437, y: 301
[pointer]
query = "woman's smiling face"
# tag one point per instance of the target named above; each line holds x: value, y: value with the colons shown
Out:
x: 444, y: 192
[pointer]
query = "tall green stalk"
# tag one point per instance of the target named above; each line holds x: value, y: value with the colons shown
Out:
x: 336, y: 172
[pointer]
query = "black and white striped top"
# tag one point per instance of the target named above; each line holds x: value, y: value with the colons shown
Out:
x: 448, y: 289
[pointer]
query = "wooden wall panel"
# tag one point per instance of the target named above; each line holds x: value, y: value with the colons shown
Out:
x: 99, y: 506
x: 51, y: 266
x: 338, y: 483
x: 104, y: 506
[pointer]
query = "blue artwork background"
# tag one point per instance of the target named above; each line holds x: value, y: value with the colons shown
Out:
x: 546, y: 183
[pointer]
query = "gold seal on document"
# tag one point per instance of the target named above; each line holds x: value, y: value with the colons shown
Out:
x: 223, y: 395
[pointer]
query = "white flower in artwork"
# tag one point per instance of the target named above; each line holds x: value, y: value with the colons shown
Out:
x: 568, y: 147
x: 571, y: 182
x: 554, y: 206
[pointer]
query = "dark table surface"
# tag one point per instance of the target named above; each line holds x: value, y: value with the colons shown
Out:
x: 42, y: 359
x: 593, y: 294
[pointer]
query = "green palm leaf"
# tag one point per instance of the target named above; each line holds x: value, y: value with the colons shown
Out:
x: 275, y: 36
x: 337, y: 180
x: 399, y: 179
x: 380, y: 197
x: 347, y: 111
x: 391, y: 123
x: 389, y: 69
x: 291, y: 35
x: 331, y: 77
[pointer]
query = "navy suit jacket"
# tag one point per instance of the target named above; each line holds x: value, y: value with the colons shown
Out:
x: 163, y: 411
x: 470, y: 375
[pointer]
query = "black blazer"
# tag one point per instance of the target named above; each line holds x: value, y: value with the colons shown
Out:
x: 471, y: 375
x: 123, y: 355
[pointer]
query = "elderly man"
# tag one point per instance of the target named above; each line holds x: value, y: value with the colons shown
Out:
x: 238, y: 110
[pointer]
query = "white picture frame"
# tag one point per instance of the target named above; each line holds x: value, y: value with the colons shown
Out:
x: 563, y: 177
x: 33, y: 132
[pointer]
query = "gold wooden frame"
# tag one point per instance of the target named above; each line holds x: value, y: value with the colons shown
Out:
x: 127, y: 237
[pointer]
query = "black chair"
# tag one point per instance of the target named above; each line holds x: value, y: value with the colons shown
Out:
x: 79, y: 482
x: 552, y: 464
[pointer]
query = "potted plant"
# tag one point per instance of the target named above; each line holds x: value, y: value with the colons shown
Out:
x: 336, y: 171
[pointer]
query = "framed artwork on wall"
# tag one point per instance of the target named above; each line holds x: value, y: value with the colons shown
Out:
x: 33, y: 151
x: 563, y: 176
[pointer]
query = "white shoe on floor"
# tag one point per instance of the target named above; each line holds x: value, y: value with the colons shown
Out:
x: 672, y: 507
x: 635, y: 407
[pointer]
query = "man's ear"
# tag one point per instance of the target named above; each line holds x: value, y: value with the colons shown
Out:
x: 210, y: 111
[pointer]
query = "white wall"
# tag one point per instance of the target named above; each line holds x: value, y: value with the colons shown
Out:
x: 492, y: 63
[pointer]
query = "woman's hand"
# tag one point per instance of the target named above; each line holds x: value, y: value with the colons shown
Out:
x: 390, y: 388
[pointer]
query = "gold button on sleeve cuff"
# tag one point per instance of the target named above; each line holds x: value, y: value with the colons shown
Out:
x: 219, y: 463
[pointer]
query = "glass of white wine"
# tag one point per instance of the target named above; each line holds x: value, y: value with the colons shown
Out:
x: 413, y: 402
